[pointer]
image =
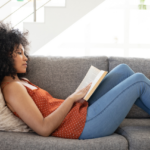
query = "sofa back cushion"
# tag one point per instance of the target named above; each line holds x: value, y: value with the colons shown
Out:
x: 60, y: 76
x: 137, y: 65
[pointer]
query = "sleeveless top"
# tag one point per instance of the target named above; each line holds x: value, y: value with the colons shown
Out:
x: 74, y: 122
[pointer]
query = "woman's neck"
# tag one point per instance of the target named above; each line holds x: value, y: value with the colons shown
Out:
x: 9, y: 79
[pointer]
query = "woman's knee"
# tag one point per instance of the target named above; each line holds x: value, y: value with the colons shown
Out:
x: 139, y: 75
x: 125, y: 68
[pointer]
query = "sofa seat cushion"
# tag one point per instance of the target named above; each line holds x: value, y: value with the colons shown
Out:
x: 137, y: 132
x: 137, y: 136
x: 26, y: 141
x: 135, y: 122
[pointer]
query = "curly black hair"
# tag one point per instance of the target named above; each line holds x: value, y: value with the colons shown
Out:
x: 9, y: 38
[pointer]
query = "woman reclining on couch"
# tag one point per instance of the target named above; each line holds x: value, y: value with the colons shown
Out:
x: 73, y: 117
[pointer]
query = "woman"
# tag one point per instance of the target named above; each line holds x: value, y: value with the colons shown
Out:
x: 73, y: 118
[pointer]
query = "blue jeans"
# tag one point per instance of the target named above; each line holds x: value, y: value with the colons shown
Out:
x: 113, y: 99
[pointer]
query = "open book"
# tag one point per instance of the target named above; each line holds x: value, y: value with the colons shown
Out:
x: 95, y: 76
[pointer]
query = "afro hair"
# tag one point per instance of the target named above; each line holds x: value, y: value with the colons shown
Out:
x: 9, y: 38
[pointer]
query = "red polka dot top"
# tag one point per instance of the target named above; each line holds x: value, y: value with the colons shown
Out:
x: 74, y: 122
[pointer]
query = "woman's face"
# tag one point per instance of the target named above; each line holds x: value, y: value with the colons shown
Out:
x: 20, y: 59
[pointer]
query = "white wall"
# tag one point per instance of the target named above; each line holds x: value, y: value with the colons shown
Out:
x: 115, y: 28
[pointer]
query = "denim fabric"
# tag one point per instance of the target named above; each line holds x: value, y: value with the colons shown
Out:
x: 113, y: 99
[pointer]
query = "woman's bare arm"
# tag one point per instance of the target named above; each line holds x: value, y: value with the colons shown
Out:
x: 17, y: 96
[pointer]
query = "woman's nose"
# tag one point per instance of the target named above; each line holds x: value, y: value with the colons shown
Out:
x: 26, y: 57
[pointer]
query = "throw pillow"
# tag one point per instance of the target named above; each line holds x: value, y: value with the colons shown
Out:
x: 8, y: 121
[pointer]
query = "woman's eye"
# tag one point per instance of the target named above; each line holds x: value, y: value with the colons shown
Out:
x: 19, y: 53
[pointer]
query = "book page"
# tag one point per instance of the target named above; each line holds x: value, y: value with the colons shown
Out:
x: 89, y: 77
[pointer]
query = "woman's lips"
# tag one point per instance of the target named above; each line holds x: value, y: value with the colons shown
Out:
x: 25, y: 65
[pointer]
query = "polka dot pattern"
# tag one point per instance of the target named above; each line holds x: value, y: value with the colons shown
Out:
x: 72, y: 125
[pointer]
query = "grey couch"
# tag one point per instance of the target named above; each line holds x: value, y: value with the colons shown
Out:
x: 60, y: 76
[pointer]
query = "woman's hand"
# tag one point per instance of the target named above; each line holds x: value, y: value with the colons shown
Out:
x: 79, y: 94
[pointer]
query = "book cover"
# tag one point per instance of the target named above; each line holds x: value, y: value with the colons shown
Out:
x: 95, y: 76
